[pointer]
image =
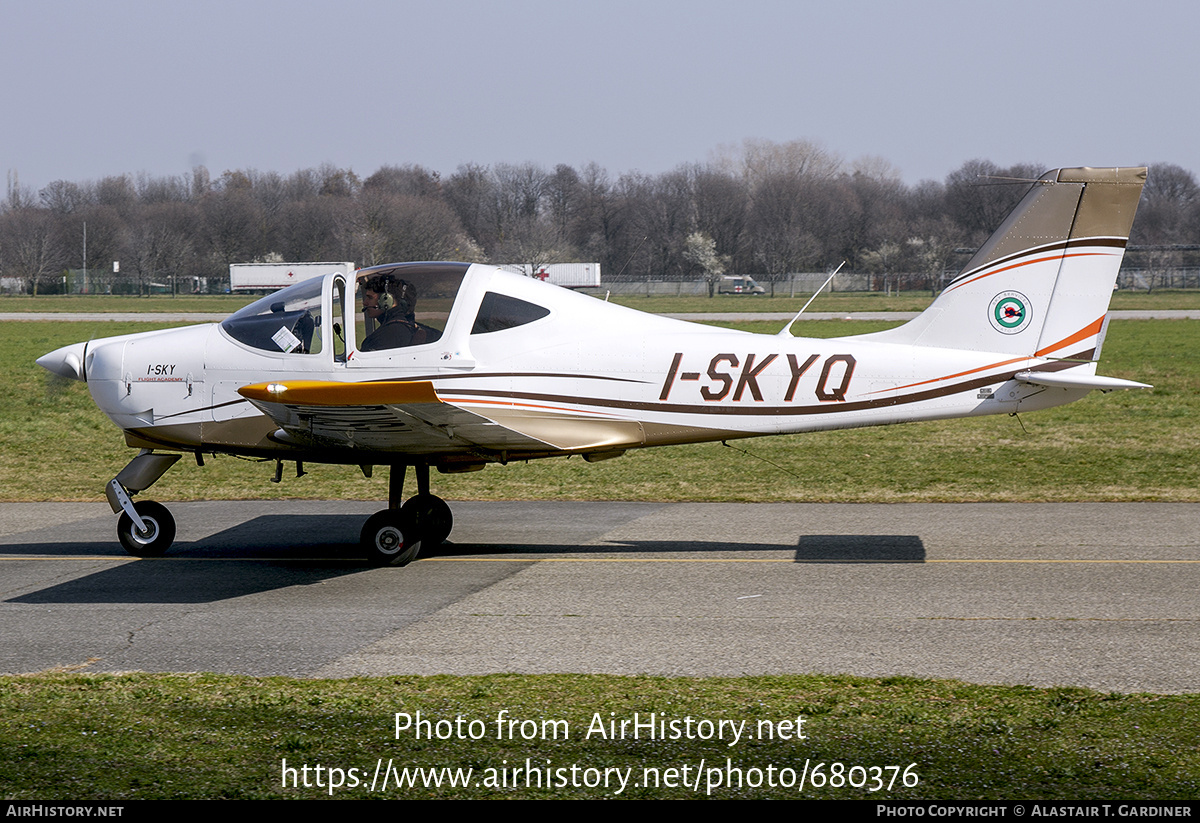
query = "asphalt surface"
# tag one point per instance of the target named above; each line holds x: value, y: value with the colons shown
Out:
x: 1095, y: 595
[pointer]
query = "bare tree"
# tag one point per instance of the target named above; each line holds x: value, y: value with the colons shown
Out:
x: 468, y: 191
x: 228, y: 220
x: 337, y: 182
x: 63, y: 197
x: 758, y: 160
x: 782, y: 241
x: 392, y: 227
x: 533, y: 243
x: 159, y: 243
x: 1166, y: 211
x: 317, y: 228
x: 599, y: 220
x: 980, y: 194
x: 416, y: 181
x: 722, y: 206
x: 562, y: 198
x: 29, y: 249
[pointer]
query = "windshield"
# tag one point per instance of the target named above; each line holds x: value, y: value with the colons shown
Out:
x: 287, y: 321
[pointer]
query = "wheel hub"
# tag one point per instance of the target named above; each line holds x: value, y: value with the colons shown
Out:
x: 150, y: 532
x: 389, y: 539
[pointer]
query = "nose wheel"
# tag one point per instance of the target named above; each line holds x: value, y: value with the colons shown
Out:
x: 155, y: 536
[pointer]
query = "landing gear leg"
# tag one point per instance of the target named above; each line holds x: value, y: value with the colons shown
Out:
x: 146, y: 528
x: 431, y: 514
x: 397, y: 534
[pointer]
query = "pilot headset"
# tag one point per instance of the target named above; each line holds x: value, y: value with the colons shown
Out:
x: 380, y: 285
x: 388, y: 300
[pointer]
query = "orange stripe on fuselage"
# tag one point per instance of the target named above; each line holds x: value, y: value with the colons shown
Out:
x: 957, y: 374
x: 1087, y: 331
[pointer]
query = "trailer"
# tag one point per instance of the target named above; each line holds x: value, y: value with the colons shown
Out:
x: 567, y: 275
x: 272, y: 276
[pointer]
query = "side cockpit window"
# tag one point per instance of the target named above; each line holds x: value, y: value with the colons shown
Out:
x: 405, y: 305
x: 498, y: 312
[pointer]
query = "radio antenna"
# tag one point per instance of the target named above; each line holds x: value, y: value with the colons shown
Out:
x: 786, y: 331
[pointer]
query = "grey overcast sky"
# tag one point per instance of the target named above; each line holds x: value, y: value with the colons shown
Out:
x: 90, y: 88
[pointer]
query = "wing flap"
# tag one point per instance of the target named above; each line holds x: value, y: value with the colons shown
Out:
x: 399, y: 416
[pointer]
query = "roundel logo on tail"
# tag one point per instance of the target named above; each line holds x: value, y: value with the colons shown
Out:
x: 1010, y: 312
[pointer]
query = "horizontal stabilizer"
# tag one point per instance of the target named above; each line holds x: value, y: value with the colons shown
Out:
x: 1064, y: 380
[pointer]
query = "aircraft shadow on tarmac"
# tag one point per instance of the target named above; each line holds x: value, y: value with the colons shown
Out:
x: 279, y: 551
x: 811, y: 548
x: 165, y: 582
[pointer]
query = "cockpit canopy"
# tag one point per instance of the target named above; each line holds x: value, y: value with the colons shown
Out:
x: 404, y: 304
x: 394, y: 306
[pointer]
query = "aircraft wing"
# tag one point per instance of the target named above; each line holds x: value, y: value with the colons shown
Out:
x: 395, y: 416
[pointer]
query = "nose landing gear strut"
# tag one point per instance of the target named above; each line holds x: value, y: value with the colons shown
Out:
x: 146, y: 528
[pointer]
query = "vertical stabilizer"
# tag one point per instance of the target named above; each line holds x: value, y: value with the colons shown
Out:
x: 1041, y: 284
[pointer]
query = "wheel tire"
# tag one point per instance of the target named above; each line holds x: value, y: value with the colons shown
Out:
x: 160, y: 530
x: 432, y: 517
x: 389, y: 537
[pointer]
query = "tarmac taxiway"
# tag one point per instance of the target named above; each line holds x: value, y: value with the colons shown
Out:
x: 1098, y: 595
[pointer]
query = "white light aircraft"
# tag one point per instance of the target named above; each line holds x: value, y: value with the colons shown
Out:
x: 455, y: 365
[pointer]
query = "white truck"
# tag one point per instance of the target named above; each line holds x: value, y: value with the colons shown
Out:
x: 272, y: 276
x: 567, y: 275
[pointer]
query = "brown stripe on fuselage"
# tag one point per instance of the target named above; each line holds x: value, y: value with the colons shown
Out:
x: 768, y: 411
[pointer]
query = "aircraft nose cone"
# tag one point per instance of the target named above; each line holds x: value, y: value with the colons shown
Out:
x: 65, y: 362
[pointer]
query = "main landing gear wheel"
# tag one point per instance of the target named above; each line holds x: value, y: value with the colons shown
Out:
x: 390, y: 537
x: 159, y: 533
x: 432, y: 518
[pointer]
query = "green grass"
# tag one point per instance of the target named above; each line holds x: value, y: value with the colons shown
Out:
x: 124, y: 737
x: 1140, y: 445
x: 213, y: 303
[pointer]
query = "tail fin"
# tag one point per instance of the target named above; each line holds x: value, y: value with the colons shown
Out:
x: 1041, y: 284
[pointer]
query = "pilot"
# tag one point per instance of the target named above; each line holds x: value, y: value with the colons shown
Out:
x: 372, y: 289
x: 392, y: 304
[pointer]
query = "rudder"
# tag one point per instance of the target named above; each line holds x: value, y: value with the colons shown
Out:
x: 1041, y: 284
